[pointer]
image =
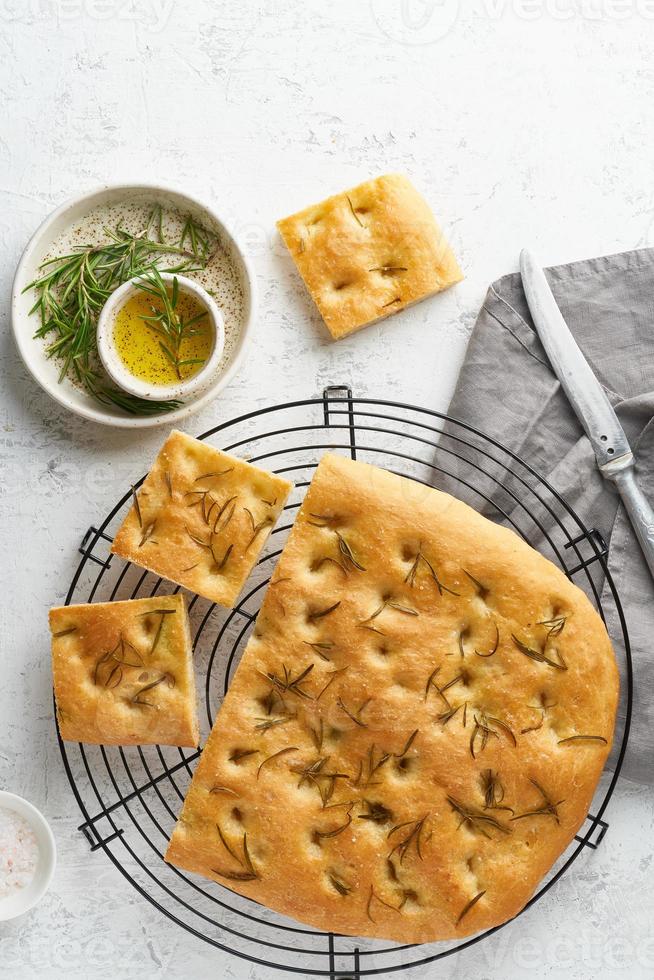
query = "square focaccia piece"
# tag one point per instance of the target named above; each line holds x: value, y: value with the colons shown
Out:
x: 201, y: 518
x: 123, y: 672
x: 417, y: 726
x: 369, y: 252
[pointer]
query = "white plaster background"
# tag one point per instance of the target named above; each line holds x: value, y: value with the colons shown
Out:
x: 522, y: 121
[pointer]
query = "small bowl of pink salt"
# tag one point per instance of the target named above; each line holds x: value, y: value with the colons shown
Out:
x: 28, y: 856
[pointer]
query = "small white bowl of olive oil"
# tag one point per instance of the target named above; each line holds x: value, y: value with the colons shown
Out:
x: 161, y: 343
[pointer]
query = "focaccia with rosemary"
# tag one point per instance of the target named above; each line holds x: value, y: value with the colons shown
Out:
x: 417, y: 725
x: 123, y: 672
x: 201, y: 518
x: 369, y: 252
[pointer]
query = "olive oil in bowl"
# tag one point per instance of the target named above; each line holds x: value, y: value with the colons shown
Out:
x: 161, y: 336
x: 142, y: 349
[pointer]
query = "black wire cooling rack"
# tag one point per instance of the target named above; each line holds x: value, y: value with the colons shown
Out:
x: 130, y: 797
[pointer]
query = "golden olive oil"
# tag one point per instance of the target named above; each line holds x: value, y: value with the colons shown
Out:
x: 139, y: 345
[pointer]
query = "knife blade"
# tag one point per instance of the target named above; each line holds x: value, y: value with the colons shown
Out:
x: 585, y: 393
x: 589, y: 401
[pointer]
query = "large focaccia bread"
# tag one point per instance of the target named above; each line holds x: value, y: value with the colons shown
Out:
x: 417, y: 725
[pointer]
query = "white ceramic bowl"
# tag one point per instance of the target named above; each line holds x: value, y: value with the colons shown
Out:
x: 32, y: 350
x: 23, y: 899
x: 113, y: 363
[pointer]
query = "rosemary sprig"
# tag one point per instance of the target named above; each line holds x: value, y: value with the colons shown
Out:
x: 319, y: 647
x: 476, y: 820
x: 72, y: 289
x: 115, y: 677
x: 288, y: 683
x: 372, y: 765
x: 221, y: 562
x: 543, y: 706
x: 317, y: 733
x: 339, y: 884
x: 321, y: 520
x: 496, y: 644
x: 138, y: 699
x: 409, y: 742
x: 449, y: 713
x: 319, y: 835
x: 540, y: 656
x: 256, y: 527
x: 547, y: 808
x: 265, y: 724
x: 347, y: 552
x: 113, y: 661
x: 413, y: 836
x: 171, y: 326
x: 354, y: 214
x: 534, y: 728
x: 225, y: 514
x: 162, y: 613
x: 469, y: 906
x: 374, y: 896
x: 388, y: 603
x: 321, y: 613
x: 272, y: 698
x: 211, y: 476
x: 66, y: 632
x: 485, y: 728
x: 248, y: 872
x: 431, y: 682
x: 482, y: 590
x: 583, y: 738
x: 235, y: 875
x: 332, y: 677
x: 554, y: 626
x: 148, y: 531
x: 316, y: 774
x: 137, y: 507
x: 276, y: 755
x: 355, y: 716
x: 389, y: 270
x: 420, y: 557
x: 493, y: 791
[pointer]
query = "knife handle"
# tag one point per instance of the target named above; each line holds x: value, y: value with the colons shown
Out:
x: 639, y: 510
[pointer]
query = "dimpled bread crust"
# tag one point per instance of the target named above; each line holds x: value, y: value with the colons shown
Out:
x: 201, y: 518
x: 123, y: 672
x: 369, y: 252
x: 417, y: 725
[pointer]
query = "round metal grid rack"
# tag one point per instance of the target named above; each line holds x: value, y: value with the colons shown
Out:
x: 130, y: 797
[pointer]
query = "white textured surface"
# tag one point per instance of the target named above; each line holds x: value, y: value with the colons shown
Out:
x: 522, y: 121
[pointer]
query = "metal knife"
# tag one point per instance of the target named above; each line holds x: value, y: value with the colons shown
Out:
x: 589, y: 401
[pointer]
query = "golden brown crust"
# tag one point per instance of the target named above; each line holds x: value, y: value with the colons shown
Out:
x: 369, y: 252
x: 203, y: 517
x: 123, y: 672
x: 416, y: 759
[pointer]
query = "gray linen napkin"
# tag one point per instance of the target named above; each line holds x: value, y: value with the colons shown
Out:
x: 507, y: 389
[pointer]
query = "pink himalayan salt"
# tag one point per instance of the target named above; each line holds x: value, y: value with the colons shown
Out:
x: 19, y: 852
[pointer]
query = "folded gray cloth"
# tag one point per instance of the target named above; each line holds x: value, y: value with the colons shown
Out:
x: 508, y: 390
